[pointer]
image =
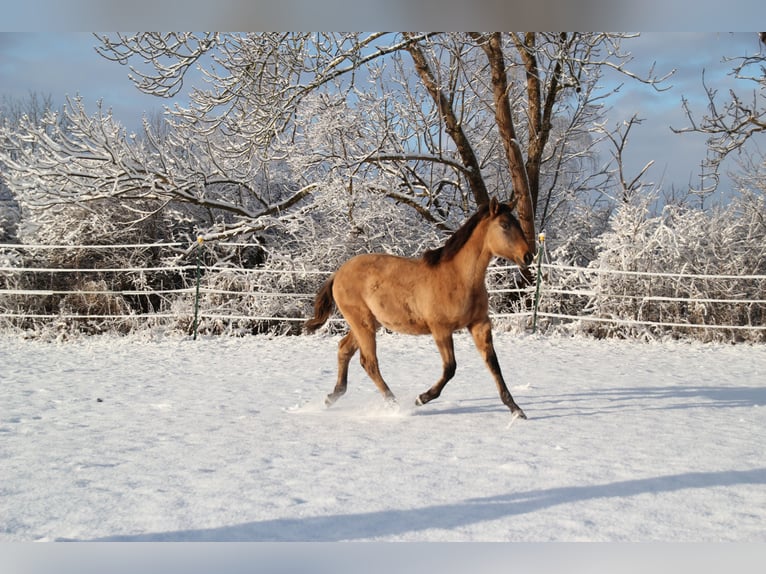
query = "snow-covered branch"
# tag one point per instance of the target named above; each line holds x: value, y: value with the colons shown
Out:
x: 92, y: 159
x: 730, y: 123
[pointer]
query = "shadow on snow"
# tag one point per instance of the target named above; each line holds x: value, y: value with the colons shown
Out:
x: 387, y: 523
x: 624, y: 399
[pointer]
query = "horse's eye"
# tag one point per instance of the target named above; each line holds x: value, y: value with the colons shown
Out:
x: 505, y: 225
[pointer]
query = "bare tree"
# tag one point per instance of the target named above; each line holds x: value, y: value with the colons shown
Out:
x: 732, y: 122
x: 435, y: 122
x: 618, y: 138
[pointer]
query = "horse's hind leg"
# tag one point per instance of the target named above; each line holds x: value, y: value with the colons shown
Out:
x: 346, y: 349
x: 365, y: 338
x: 447, y: 350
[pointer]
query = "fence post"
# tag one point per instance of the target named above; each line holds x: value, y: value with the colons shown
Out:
x: 540, y: 249
x: 200, y: 241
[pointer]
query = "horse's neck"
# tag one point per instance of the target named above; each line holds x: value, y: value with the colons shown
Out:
x: 472, y: 260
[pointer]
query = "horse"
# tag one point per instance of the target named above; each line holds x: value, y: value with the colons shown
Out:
x: 438, y: 293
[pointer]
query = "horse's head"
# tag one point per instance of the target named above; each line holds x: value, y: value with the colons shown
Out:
x: 505, y: 238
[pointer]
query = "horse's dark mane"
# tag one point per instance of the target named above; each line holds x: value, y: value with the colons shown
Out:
x: 458, y: 239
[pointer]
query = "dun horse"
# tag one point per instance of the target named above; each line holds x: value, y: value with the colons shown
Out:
x: 437, y: 294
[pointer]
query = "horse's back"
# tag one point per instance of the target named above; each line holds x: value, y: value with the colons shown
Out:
x: 377, y: 266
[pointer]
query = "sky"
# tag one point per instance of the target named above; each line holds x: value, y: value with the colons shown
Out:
x: 677, y: 156
x: 63, y: 64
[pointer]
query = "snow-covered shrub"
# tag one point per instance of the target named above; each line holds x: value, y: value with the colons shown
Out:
x: 660, y: 255
x: 98, y: 235
x: 9, y: 215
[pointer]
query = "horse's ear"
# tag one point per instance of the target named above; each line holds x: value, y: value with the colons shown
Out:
x: 494, y: 207
x: 513, y: 201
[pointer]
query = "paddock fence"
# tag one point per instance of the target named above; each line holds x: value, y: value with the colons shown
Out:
x: 222, y: 288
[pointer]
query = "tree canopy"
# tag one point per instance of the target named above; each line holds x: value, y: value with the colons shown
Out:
x: 281, y: 123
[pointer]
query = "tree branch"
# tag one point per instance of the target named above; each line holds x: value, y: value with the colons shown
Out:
x: 453, y: 126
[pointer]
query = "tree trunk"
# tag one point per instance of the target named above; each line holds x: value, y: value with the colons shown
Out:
x: 525, y: 205
x: 540, y: 110
x: 452, y: 125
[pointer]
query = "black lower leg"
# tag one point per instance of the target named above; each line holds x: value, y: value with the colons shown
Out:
x: 436, y: 390
x: 505, y: 394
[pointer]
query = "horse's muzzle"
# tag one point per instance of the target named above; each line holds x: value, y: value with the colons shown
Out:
x: 528, y: 258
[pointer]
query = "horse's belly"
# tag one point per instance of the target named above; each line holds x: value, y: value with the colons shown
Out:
x: 401, y: 317
x: 405, y: 317
x: 408, y: 328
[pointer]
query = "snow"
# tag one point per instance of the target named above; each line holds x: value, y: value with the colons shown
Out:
x: 161, y: 438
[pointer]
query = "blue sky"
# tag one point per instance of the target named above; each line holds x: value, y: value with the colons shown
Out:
x: 677, y: 156
x: 66, y: 63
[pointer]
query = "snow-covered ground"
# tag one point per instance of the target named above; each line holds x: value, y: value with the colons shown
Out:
x: 162, y: 438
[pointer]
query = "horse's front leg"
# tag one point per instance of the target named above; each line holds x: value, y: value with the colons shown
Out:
x: 447, y: 351
x: 482, y: 337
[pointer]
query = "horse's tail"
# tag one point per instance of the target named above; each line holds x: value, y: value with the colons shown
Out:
x: 323, y: 307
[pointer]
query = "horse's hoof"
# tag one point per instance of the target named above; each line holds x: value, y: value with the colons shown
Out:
x: 330, y: 400
x: 422, y: 399
x: 518, y: 413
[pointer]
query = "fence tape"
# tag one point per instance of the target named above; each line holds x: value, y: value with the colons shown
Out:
x: 500, y: 268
